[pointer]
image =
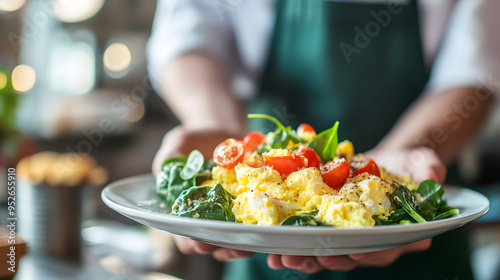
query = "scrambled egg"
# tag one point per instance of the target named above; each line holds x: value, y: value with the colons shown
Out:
x: 357, y: 202
x: 263, y: 197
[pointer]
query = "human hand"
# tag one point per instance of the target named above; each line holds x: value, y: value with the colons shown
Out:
x: 311, y: 264
x: 421, y: 164
x: 180, y: 141
x: 190, y: 247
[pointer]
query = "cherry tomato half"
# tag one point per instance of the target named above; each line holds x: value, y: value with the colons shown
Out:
x: 313, y: 160
x: 305, y: 128
x: 284, y: 164
x: 229, y: 153
x: 254, y: 139
x: 370, y: 167
x: 335, y: 173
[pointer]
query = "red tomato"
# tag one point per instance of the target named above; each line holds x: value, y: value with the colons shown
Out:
x: 313, y: 160
x: 305, y: 128
x: 229, y: 153
x: 254, y: 139
x: 370, y: 167
x: 335, y: 173
x: 284, y: 164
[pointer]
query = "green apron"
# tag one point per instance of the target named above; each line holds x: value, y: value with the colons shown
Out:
x: 360, y: 63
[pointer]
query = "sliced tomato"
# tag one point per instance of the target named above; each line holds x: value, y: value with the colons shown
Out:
x: 229, y: 153
x: 285, y: 164
x: 313, y: 160
x: 306, y: 131
x: 305, y: 128
x: 254, y: 139
x: 335, y: 173
x: 370, y: 167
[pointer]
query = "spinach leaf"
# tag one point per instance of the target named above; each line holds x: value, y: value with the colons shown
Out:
x: 281, y: 137
x: 325, y: 143
x: 174, y: 159
x: 169, y: 184
x: 193, y: 165
x: 395, y: 218
x: 432, y: 206
x: 403, y: 196
x: 169, y: 181
x: 445, y: 211
x: 432, y: 193
x: 213, y: 203
x: 304, y: 219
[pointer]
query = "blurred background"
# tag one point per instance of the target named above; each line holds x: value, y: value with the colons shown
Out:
x: 73, y: 80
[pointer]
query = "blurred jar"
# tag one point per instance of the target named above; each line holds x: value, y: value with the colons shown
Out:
x: 51, y: 201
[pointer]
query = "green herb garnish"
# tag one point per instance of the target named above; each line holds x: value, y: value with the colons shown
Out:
x: 325, y: 144
x: 281, y: 137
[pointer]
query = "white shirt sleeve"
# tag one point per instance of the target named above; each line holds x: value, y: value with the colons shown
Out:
x: 182, y: 26
x: 470, y: 53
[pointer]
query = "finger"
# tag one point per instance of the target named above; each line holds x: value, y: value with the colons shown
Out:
x: 169, y: 147
x: 226, y: 255
x: 387, y: 257
x: 307, y: 265
x: 241, y: 254
x: 274, y: 262
x: 190, y: 247
x: 423, y: 163
x: 337, y: 263
x: 438, y: 172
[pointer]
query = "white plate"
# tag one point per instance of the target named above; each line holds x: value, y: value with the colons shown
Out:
x: 135, y: 198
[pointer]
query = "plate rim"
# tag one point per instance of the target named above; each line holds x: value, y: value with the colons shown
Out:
x: 107, y: 196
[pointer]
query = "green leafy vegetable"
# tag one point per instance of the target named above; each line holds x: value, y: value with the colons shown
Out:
x: 423, y: 204
x: 304, y: 219
x: 213, y: 203
x: 446, y: 211
x: 325, y: 143
x: 193, y: 165
x: 406, y: 200
x: 170, y: 183
x: 432, y: 193
x: 395, y: 218
x: 281, y: 137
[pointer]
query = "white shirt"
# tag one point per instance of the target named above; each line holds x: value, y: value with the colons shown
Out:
x: 461, y: 39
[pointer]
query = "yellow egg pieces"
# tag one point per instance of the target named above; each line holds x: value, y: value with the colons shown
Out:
x: 264, y: 198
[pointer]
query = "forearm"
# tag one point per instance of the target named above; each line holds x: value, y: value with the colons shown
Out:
x: 198, y: 91
x: 443, y: 122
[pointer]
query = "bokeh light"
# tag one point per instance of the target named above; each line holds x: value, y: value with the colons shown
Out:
x: 137, y: 113
x: 117, y: 59
x: 76, y: 10
x: 72, y: 68
x: 3, y: 80
x: 23, y: 78
x: 11, y: 5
